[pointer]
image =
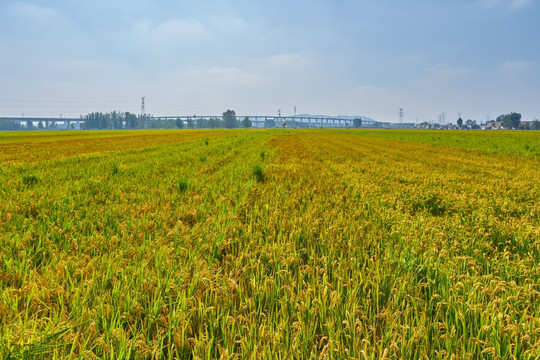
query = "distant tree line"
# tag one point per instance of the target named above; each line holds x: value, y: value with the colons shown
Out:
x: 510, y: 121
x: 228, y: 120
x: 11, y: 125
x: 112, y: 120
x: 533, y: 125
x: 6, y: 125
x: 119, y: 120
x: 469, y: 124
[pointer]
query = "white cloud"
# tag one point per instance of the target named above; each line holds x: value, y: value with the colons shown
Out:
x: 35, y: 12
x: 517, y: 65
x: 32, y: 17
x: 520, y: 3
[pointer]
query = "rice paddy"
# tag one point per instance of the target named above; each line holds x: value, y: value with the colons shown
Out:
x: 270, y: 244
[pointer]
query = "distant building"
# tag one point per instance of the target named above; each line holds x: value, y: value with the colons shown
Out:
x: 526, y: 125
x: 449, y: 127
x: 494, y: 125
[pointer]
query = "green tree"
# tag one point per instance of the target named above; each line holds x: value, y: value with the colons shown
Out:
x: 357, y: 122
x: 116, y: 120
x: 200, y: 123
x: 246, y: 122
x: 460, y: 122
x: 144, y: 121
x: 6, y: 124
x: 179, y: 123
x: 40, y: 125
x: 190, y: 124
x: 29, y: 125
x: 229, y: 117
x: 510, y: 121
x: 269, y: 123
x: 535, y: 125
x: 131, y: 120
x: 214, y: 123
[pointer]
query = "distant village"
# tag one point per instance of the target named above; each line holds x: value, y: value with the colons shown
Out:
x: 510, y: 121
x: 472, y: 125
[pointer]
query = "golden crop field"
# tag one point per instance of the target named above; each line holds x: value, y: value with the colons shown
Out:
x: 270, y: 244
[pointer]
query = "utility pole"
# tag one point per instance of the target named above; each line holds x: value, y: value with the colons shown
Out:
x: 279, y: 112
x: 143, y: 114
x: 443, y: 117
x: 142, y: 107
x: 401, y: 115
x: 295, y: 111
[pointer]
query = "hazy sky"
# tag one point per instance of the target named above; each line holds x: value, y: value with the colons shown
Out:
x: 334, y: 57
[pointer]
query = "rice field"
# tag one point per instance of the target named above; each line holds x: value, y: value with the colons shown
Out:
x: 250, y: 244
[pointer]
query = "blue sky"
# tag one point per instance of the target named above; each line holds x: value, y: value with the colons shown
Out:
x: 479, y: 58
